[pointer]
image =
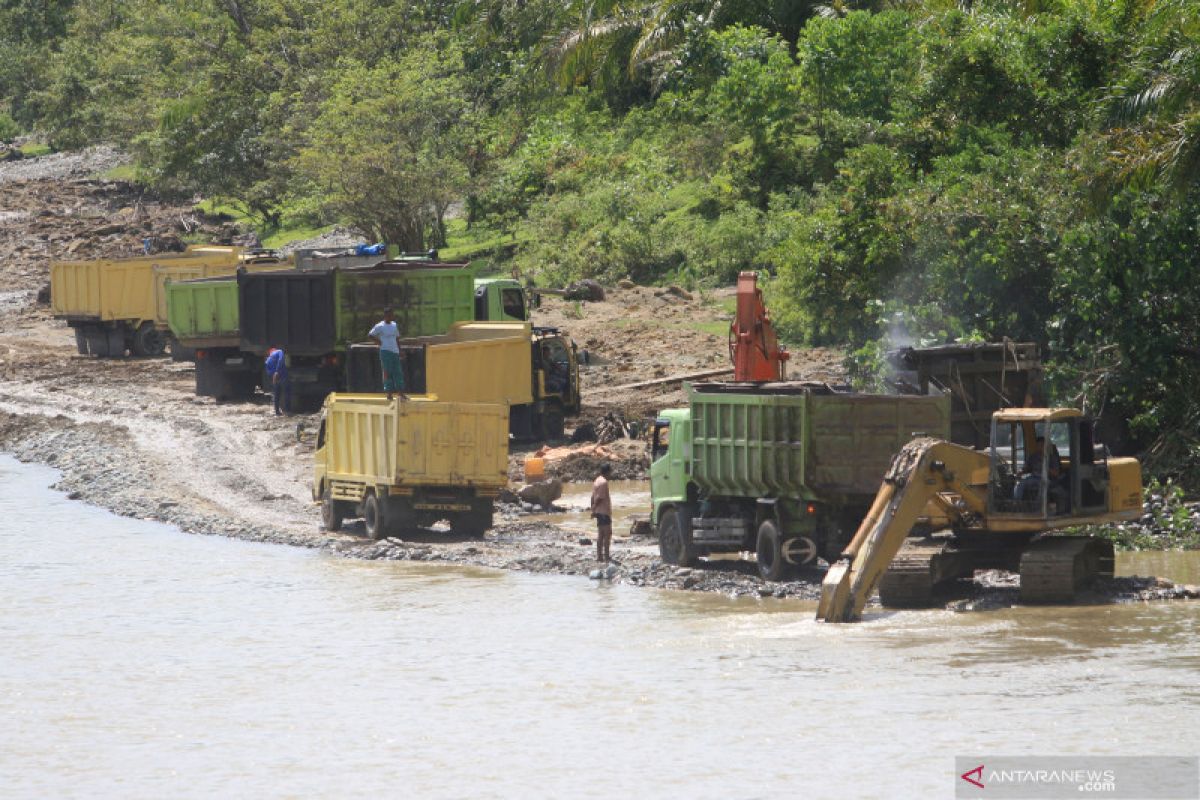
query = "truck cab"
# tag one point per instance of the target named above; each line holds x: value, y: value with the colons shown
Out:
x: 500, y: 300
x: 555, y: 380
x: 669, y: 458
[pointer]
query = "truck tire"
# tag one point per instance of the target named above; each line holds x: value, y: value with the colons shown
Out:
x: 375, y: 517
x: 148, y: 341
x: 331, y: 512
x: 474, y: 524
x: 181, y: 353
x: 675, y: 538
x: 553, y: 422
x: 81, y: 342
x: 772, y: 566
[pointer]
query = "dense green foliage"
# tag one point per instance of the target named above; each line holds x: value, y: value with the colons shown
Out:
x: 944, y: 170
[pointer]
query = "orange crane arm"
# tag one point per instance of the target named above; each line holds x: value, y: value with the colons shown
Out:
x: 754, y: 347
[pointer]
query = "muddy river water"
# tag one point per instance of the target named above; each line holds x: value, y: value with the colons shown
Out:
x: 137, y: 661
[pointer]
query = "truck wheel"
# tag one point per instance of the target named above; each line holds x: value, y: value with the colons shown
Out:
x: 81, y: 342
x: 553, y: 422
x: 331, y: 512
x: 181, y: 353
x: 473, y: 524
x: 675, y: 538
x: 374, y: 517
x: 148, y: 341
x: 771, y: 563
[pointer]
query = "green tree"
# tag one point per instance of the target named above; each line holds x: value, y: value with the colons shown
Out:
x: 1157, y: 109
x: 389, y: 147
x: 30, y: 31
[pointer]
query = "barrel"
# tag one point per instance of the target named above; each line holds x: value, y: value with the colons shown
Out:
x: 535, y: 469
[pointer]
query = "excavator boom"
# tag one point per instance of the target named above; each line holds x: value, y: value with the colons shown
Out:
x: 918, y: 474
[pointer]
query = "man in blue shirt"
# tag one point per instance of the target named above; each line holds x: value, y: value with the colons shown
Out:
x: 387, y: 333
x: 281, y: 386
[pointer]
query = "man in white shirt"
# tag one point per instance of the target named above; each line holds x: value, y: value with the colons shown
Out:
x: 387, y: 333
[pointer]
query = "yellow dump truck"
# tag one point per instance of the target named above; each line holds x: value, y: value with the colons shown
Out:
x: 534, y: 370
x: 403, y: 464
x: 116, y: 305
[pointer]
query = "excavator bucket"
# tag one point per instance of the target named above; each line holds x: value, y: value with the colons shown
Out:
x: 835, y: 594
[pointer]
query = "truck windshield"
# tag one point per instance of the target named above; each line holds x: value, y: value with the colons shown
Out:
x: 512, y: 302
x: 662, y: 439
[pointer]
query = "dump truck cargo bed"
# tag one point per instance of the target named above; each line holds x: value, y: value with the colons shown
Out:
x: 370, y: 440
x: 473, y: 362
x: 802, y: 441
x: 315, y: 313
x: 980, y: 378
x: 107, y: 290
x: 204, y: 312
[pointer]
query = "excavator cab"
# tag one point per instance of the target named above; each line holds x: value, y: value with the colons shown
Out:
x: 1045, y: 463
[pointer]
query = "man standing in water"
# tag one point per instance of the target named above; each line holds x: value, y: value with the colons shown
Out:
x: 602, y: 512
x: 387, y: 333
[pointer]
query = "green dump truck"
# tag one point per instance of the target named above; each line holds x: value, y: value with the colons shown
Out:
x: 786, y: 471
x: 203, y: 317
x: 314, y: 316
x: 405, y: 464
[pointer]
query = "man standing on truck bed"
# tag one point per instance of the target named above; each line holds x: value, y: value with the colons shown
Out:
x: 387, y: 333
x: 602, y: 512
x: 281, y: 386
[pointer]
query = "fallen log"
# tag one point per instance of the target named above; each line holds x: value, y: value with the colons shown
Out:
x: 669, y: 379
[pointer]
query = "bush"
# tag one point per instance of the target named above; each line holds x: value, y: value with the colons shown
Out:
x: 9, y: 129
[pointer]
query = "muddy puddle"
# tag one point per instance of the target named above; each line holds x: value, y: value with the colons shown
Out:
x: 1174, y: 566
x: 630, y: 500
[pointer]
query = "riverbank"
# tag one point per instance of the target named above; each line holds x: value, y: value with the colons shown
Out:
x: 222, y: 494
x: 128, y: 435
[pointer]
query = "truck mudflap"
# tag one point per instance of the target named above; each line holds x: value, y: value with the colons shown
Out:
x: 226, y: 374
x: 798, y: 550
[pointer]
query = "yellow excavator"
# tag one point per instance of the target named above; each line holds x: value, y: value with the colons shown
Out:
x: 945, y: 510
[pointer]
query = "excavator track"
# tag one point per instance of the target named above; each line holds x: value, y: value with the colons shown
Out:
x: 1055, y: 568
x: 911, y: 577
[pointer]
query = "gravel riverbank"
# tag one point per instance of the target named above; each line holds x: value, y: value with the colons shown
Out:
x: 129, y: 435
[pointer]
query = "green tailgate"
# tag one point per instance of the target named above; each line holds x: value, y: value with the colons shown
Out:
x: 749, y: 444
x: 203, y: 309
x: 426, y: 301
